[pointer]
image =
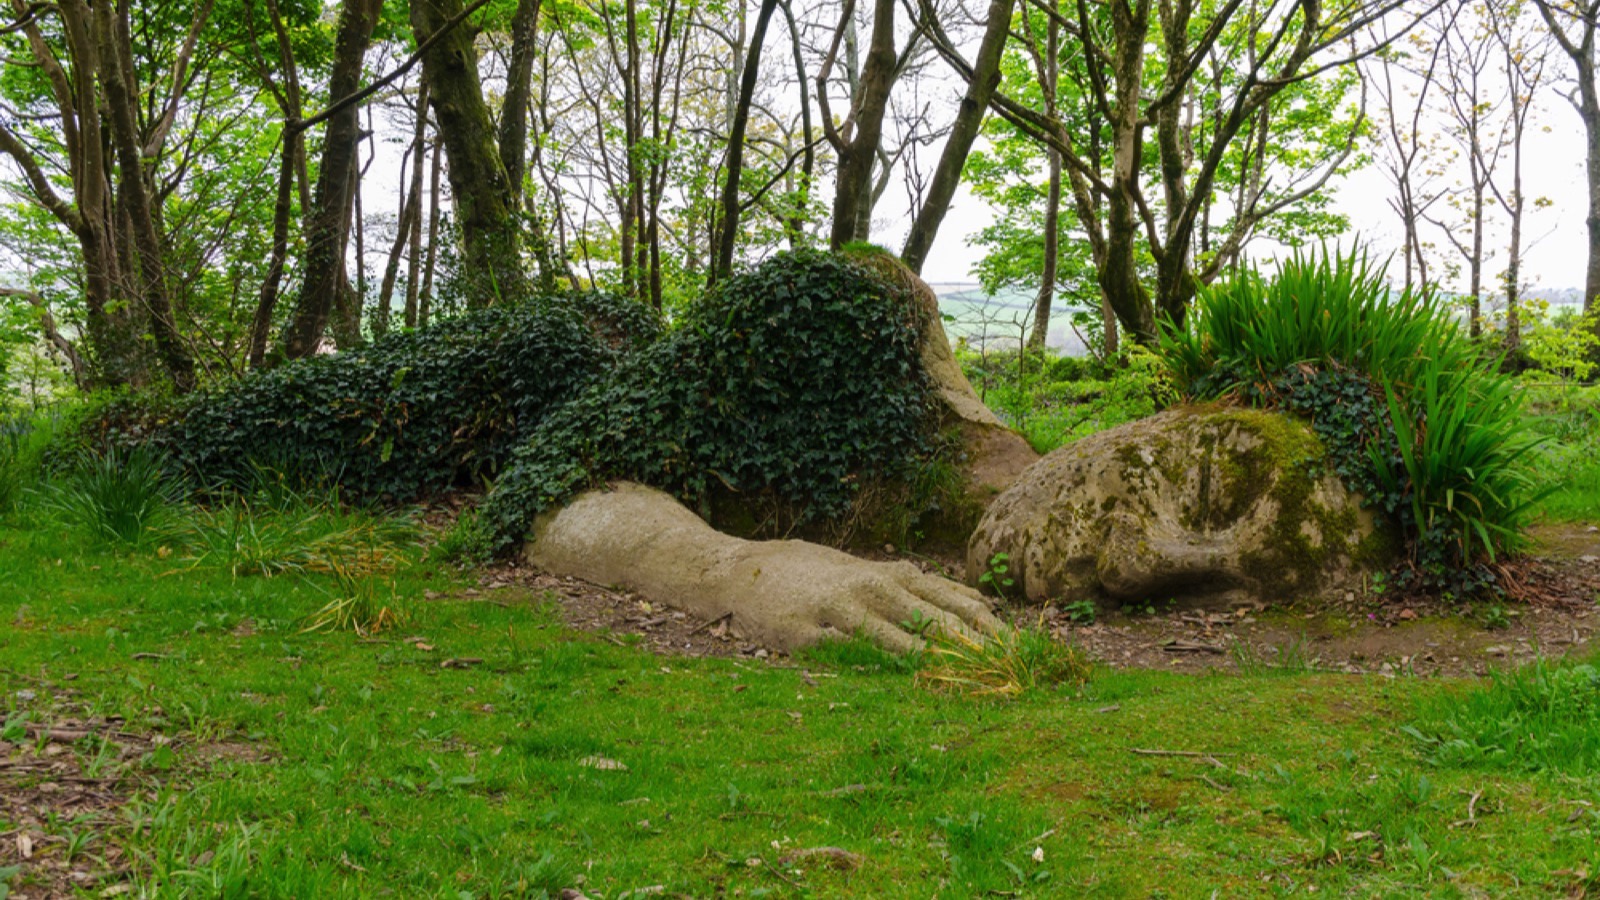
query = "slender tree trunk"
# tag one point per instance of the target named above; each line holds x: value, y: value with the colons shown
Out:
x: 325, y: 224
x: 425, y: 304
x: 729, y: 236
x: 857, y: 154
x: 414, y: 260
x: 478, y: 180
x: 795, y: 224
x: 267, y: 299
x: 514, y: 133
x: 1475, y: 264
x: 1052, y: 255
x: 969, y: 118
x: 405, y: 222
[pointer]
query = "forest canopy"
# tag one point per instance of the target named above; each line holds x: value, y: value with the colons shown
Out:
x: 201, y: 189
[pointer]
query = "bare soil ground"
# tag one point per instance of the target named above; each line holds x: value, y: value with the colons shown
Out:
x: 63, y: 783
x: 1363, y: 632
x: 66, y: 782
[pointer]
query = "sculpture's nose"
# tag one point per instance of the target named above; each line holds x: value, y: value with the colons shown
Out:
x: 1135, y: 563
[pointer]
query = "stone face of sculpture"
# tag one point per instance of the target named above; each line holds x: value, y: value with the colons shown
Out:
x: 1207, y: 505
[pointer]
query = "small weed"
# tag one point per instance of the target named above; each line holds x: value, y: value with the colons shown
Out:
x: 1080, y: 612
x: 1495, y: 617
x: 1283, y: 659
x: 997, y: 577
x: 918, y: 624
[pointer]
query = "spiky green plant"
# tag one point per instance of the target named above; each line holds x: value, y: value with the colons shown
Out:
x: 1445, y: 446
x: 120, y: 497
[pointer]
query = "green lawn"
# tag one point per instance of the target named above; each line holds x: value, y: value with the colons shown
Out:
x: 371, y: 770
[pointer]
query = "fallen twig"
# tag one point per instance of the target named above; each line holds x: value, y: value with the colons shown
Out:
x: 711, y: 623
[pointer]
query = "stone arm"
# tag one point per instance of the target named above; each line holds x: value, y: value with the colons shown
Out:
x: 784, y: 594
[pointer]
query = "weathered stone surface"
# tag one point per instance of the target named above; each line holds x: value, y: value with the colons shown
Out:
x: 995, y: 456
x: 1202, y: 505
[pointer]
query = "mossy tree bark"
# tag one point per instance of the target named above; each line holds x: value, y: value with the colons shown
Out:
x: 479, y: 183
x: 326, y: 224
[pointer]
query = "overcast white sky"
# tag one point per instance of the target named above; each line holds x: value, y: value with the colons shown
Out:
x: 1555, y: 238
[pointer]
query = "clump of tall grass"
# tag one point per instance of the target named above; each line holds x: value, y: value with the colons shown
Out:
x: 1439, y: 441
x: 14, y: 463
x: 1006, y: 663
x: 1543, y: 716
x: 277, y: 529
x: 361, y: 604
x: 121, y: 497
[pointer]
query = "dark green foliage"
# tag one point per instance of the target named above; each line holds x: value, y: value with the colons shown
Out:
x: 1415, y: 417
x: 415, y: 411
x: 797, y: 382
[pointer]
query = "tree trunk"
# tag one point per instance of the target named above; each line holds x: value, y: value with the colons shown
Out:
x: 857, y: 153
x: 325, y: 224
x: 1119, y: 274
x: 969, y: 118
x: 741, y: 120
x: 405, y: 222
x: 425, y: 303
x: 267, y: 299
x: 1052, y: 253
x: 478, y: 179
x: 121, y: 97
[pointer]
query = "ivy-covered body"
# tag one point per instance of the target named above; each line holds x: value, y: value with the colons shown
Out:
x: 791, y: 395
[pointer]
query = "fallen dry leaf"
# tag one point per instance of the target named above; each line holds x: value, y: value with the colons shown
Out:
x: 837, y: 857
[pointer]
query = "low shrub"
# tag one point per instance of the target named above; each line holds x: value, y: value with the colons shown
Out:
x: 794, y: 384
x: 1053, y: 400
x: 1415, y: 417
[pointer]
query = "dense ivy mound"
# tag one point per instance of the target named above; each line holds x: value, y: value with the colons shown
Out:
x: 795, y: 384
x: 414, y: 412
x: 1414, y: 415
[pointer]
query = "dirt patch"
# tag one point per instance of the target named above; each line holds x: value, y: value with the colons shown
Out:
x: 1366, y: 633
x: 64, y: 778
x: 623, y: 617
x: 1363, y: 633
x: 62, y: 781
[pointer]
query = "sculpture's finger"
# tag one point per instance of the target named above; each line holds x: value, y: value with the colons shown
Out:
x: 956, y: 599
x: 895, y: 603
x: 887, y: 635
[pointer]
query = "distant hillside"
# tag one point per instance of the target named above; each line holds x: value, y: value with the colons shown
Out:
x: 1557, y: 296
x: 1001, y: 320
